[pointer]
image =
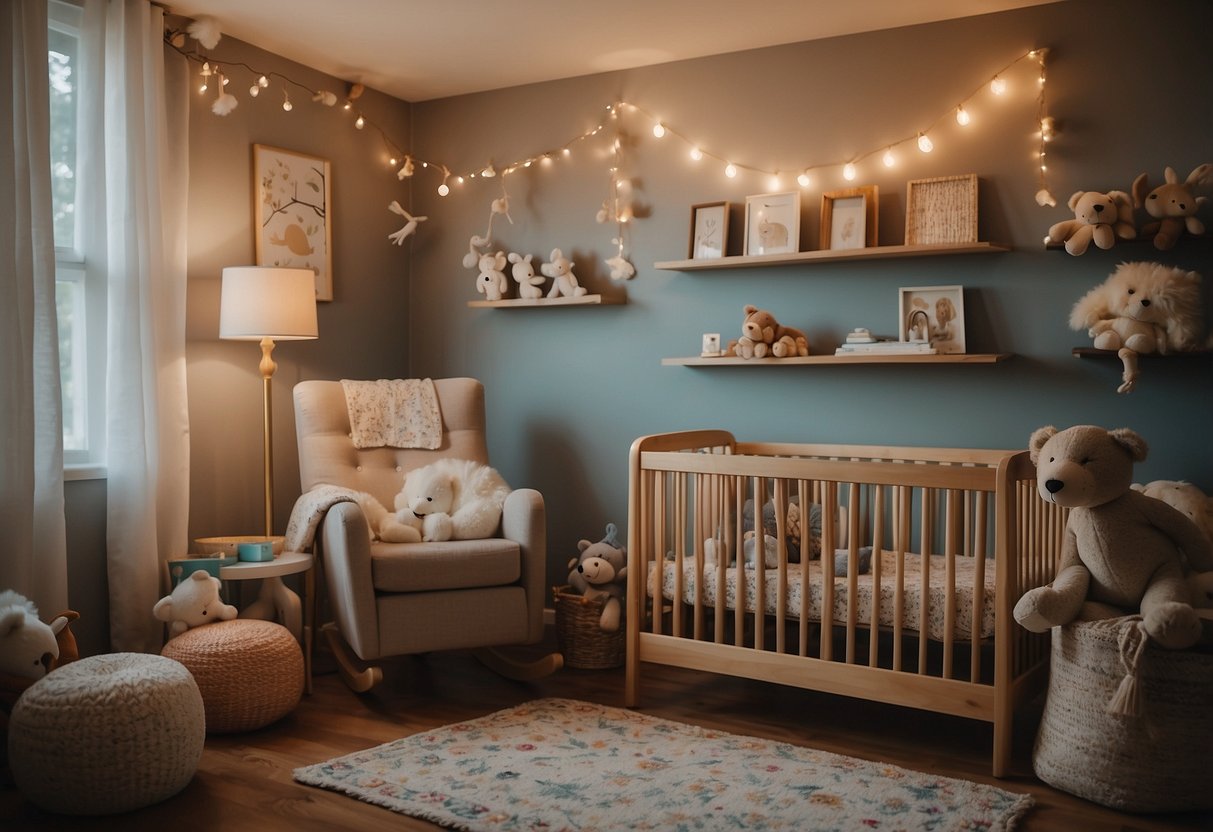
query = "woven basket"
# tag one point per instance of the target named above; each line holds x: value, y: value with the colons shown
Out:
x: 250, y: 672
x: 1153, y: 762
x: 580, y: 640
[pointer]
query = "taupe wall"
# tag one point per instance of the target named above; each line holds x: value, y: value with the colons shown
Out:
x: 568, y: 389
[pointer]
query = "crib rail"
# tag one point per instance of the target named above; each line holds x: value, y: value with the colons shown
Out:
x: 955, y: 537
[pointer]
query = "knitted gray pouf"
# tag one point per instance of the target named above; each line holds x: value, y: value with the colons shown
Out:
x: 1090, y: 742
x: 107, y: 734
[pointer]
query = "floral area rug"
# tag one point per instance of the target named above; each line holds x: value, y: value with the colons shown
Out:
x: 560, y: 764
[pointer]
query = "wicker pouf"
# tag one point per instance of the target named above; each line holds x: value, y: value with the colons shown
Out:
x: 582, y: 642
x: 107, y: 734
x: 1154, y: 762
x: 250, y: 672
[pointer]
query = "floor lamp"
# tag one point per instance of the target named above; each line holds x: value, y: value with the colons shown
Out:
x: 267, y: 304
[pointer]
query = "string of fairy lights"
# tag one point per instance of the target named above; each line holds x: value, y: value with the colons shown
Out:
x: 405, y: 163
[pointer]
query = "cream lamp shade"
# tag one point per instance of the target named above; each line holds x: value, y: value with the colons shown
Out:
x: 267, y: 302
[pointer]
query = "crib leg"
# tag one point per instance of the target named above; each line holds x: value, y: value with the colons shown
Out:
x: 1002, y: 747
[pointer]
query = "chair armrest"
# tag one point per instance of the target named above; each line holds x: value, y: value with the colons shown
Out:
x: 345, y: 546
x: 523, y: 520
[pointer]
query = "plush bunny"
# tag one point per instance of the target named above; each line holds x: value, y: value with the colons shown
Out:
x: 523, y: 272
x: 564, y: 282
x: 1173, y: 204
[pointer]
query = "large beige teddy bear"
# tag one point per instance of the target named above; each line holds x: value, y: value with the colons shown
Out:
x: 1142, y: 308
x: 454, y: 499
x: 1198, y: 507
x: 1121, y: 552
x: 1098, y: 218
x: 762, y: 335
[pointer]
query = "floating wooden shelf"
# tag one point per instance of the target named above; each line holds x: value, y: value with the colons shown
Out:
x: 506, y: 303
x: 1091, y: 352
x: 829, y: 256
x: 733, y: 361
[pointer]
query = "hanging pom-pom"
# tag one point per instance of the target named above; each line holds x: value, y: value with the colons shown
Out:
x: 621, y: 269
x: 224, y: 104
x: 501, y: 205
x: 1045, y: 198
x: 205, y: 30
x: 325, y: 97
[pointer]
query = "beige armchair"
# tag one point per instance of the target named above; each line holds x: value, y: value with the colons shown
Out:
x: 390, y: 599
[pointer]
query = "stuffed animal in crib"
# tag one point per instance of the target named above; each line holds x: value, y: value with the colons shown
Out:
x: 1142, y: 308
x: 523, y: 272
x: 193, y: 602
x: 491, y: 281
x: 1121, y: 553
x: 600, y: 574
x: 452, y: 499
x: 564, y: 282
x: 1099, y: 218
x: 1172, y: 204
x: 770, y: 550
x: 762, y: 335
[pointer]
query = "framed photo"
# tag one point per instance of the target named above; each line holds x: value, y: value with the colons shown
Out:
x: 292, y: 197
x: 711, y: 345
x: 933, y: 314
x: 848, y: 218
x: 772, y: 223
x: 709, y: 230
x: 942, y: 210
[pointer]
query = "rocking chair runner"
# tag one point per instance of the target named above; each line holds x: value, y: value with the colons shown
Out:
x: 391, y: 599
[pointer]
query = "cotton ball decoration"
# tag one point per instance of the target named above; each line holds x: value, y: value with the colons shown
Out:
x: 325, y: 97
x: 205, y: 30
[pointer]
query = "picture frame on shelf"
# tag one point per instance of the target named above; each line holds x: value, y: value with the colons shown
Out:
x: 772, y: 223
x: 848, y: 218
x: 709, y: 231
x: 711, y: 345
x: 292, y: 198
x: 934, y: 315
x: 941, y: 210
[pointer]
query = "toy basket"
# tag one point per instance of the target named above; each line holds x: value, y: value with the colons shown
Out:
x: 1147, y: 751
x: 580, y: 640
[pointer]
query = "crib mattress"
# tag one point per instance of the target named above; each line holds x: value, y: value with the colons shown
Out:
x: 913, y: 596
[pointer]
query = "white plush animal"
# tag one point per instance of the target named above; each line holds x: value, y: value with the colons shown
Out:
x: 491, y: 282
x: 524, y: 275
x: 27, y: 645
x: 564, y: 282
x: 454, y: 499
x: 193, y: 602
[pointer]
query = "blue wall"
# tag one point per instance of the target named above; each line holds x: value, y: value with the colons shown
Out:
x: 570, y: 388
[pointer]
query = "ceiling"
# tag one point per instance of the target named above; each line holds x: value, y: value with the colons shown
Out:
x: 417, y: 50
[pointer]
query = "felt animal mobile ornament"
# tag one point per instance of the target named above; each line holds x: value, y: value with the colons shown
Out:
x: 398, y: 237
x: 617, y: 208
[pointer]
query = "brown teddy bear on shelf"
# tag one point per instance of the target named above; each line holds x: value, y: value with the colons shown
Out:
x: 1122, y: 550
x: 1098, y: 218
x: 762, y: 335
x: 1172, y: 204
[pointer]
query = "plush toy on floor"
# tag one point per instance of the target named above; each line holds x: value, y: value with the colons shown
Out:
x: 762, y: 335
x: 1142, y: 308
x: 453, y: 499
x: 1173, y: 204
x: 1099, y: 218
x: 600, y: 574
x: 193, y: 602
x: 1121, y: 551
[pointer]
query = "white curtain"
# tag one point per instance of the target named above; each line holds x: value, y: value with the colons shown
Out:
x: 34, y: 558
x: 137, y: 181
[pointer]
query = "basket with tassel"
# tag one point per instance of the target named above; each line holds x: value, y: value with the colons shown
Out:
x: 579, y: 636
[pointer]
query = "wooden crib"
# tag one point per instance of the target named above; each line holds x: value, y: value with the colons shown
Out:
x: 956, y: 536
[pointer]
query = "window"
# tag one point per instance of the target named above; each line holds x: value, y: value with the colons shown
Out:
x: 80, y: 297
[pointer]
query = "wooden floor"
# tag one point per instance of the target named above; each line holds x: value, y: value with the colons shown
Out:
x: 244, y: 781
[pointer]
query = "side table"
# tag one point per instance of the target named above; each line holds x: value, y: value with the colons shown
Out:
x: 275, y: 600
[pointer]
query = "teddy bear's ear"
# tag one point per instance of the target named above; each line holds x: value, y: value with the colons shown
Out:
x: 1136, y: 486
x: 583, y: 544
x: 750, y: 309
x: 1131, y: 442
x: 1038, y: 439
x: 1074, y: 199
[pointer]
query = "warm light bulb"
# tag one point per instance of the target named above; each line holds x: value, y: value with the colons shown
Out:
x: 775, y: 184
x: 443, y: 189
x: 347, y: 105
x: 803, y: 180
x: 730, y: 170
x: 253, y: 90
x: 888, y: 158
x: 203, y: 87
x: 658, y: 130
x: 360, y: 122
x: 263, y: 82
x: 392, y: 161
x: 998, y: 86
x: 924, y: 143
x: 696, y: 154
x: 286, y: 102
x: 226, y: 80
x: 962, y: 116
x: 458, y: 180
x: 848, y: 171
x: 546, y: 161
x: 567, y: 152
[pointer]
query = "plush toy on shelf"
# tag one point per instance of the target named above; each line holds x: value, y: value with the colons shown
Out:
x: 600, y: 574
x: 523, y: 272
x: 1142, y: 308
x: 1121, y: 553
x: 193, y: 602
x: 1099, y: 218
x: 762, y: 335
x: 491, y: 282
x: 564, y: 282
x: 1172, y: 204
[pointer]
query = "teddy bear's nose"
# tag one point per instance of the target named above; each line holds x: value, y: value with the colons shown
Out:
x: 581, y: 567
x: 1098, y: 208
x: 1054, y: 486
x: 1145, y: 302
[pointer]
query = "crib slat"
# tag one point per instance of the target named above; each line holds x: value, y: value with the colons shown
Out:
x: 979, y: 585
x: 902, y: 532
x: 852, y: 568
x: 802, y: 487
x: 829, y: 537
x: 951, y: 522
x: 735, y: 560
x: 680, y: 526
x: 924, y: 549
x: 877, y: 576
x: 781, y: 549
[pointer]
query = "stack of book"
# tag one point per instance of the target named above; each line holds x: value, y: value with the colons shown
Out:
x: 876, y: 347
